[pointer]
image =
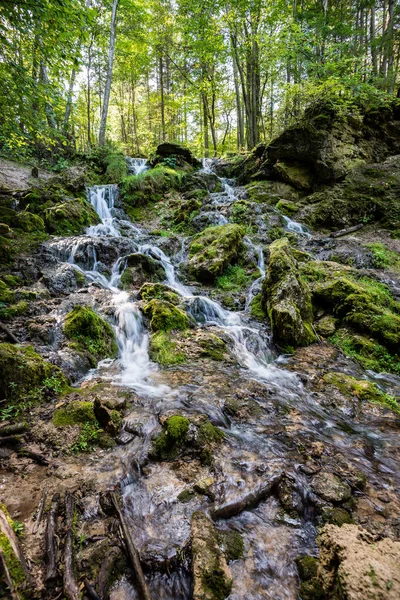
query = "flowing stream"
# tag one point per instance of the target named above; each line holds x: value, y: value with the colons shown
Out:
x: 258, y: 446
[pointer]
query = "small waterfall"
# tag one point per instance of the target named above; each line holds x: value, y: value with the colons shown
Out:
x: 295, y: 227
x: 136, y: 165
x: 102, y: 198
x: 256, y: 285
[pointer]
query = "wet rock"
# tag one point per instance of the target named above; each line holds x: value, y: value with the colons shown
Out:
x: 213, y: 250
x: 62, y: 282
x: 287, y: 298
x: 329, y: 487
x: 110, y: 419
x: 141, y: 268
x: 205, y: 219
x: 337, y: 516
x: 351, y: 560
x: 158, y: 291
x: 124, y: 438
x: 203, y: 485
x: 211, y: 575
x: 232, y: 544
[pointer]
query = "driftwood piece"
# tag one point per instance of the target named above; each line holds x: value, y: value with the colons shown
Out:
x: 40, y: 512
x: 342, y: 232
x: 90, y: 592
x: 71, y: 589
x: 39, y: 458
x: 10, y: 336
x: 50, y: 541
x: 133, y: 553
x: 247, y: 502
x: 7, y: 577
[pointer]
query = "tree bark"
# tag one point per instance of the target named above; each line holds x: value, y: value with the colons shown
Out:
x: 107, y: 90
x: 162, y: 99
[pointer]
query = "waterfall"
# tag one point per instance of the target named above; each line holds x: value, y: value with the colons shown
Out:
x: 102, y: 198
x: 295, y: 227
x: 136, y: 165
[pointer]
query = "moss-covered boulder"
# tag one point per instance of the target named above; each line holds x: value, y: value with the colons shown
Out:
x: 90, y: 334
x: 287, y: 298
x: 212, y: 250
x: 24, y: 373
x: 140, y: 269
x: 172, y: 438
x: 366, y: 351
x: 70, y: 217
x: 75, y: 413
x: 174, y: 155
x: 187, y: 210
x: 212, y: 579
x: 158, y: 291
x: 23, y: 220
x: 165, y: 316
x: 295, y: 174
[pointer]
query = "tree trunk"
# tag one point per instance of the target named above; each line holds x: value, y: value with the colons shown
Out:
x: 239, y: 113
x: 162, y: 100
x: 107, y: 91
x: 205, y: 124
x: 372, y: 33
x: 49, y: 110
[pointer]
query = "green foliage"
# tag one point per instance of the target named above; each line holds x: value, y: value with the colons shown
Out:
x: 234, y: 279
x: 383, y: 257
x: 91, y: 334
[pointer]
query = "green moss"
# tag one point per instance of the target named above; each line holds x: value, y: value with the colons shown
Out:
x: 75, y: 413
x: 367, y: 352
x: 287, y: 208
x: 337, y: 516
x: 13, y: 564
x: 383, y: 257
x: 164, y: 316
x: 141, y: 268
x: 116, y: 168
x: 234, y: 279
x: 70, y: 217
x: 79, y: 277
x: 186, y: 495
x: 217, y: 583
x: 6, y: 295
x: 208, y: 434
x: 24, y: 221
x: 239, y: 212
x: 187, y: 211
x: 212, y: 250
x: 149, y: 186
x: 173, y: 436
x: 232, y: 544
x: 23, y: 372
x: 159, y: 291
x: 163, y: 350
x: 256, y: 308
x: 364, y: 390
x: 91, y: 334
x: 13, y: 310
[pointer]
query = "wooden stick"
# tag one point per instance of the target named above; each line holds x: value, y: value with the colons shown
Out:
x: 7, y: 577
x: 341, y: 232
x: 133, y: 553
x: 247, y: 502
x: 71, y: 589
x: 90, y: 591
x: 39, y: 458
x: 50, y: 541
x: 40, y: 512
x: 10, y: 336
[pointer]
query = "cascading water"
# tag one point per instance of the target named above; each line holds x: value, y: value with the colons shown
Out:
x: 102, y: 198
x: 295, y: 227
x: 136, y: 165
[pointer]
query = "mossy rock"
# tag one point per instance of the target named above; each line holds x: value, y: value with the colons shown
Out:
x: 326, y: 326
x: 212, y: 250
x: 75, y: 413
x: 187, y: 211
x: 172, y: 438
x: 13, y: 310
x: 256, y: 308
x: 287, y: 298
x: 25, y: 221
x: 232, y: 544
x: 71, y: 217
x: 158, y: 291
x: 366, y: 351
x: 141, y: 268
x: 91, y: 335
x: 164, y: 350
x: 6, y: 294
x: 364, y: 390
x: 164, y: 316
x: 24, y: 373
x: 287, y: 208
x: 149, y: 187
x: 212, y: 347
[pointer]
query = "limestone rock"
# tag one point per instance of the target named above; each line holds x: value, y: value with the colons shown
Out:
x: 213, y: 250
x: 352, y: 561
x: 330, y: 487
x: 287, y: 297
x: 211, y: 575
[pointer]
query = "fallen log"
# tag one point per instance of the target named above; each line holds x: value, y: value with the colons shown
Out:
x: 342, y: 232
x: 10, y: 336
x: 50, y: 541
x: 15, y: 552
x: 39, y: 458
x: 71, y: 589
x: 133, y: 553
x: 7, y: 578
x: 251, y: 500
x: 13, y: 429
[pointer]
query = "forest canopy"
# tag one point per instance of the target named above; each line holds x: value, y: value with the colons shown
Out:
x: 216, y: 75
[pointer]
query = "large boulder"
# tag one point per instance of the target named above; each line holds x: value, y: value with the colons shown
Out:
x: 70, y: 217
x: 287, y: 298
x: 353, y: 561
x: 140, y: 269
x: 90, y: 334
x: 212, y: 579
x: 212, y: 250
x: 175, y: 155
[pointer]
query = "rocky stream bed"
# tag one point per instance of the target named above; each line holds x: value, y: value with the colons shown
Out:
x: 199, y: 375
